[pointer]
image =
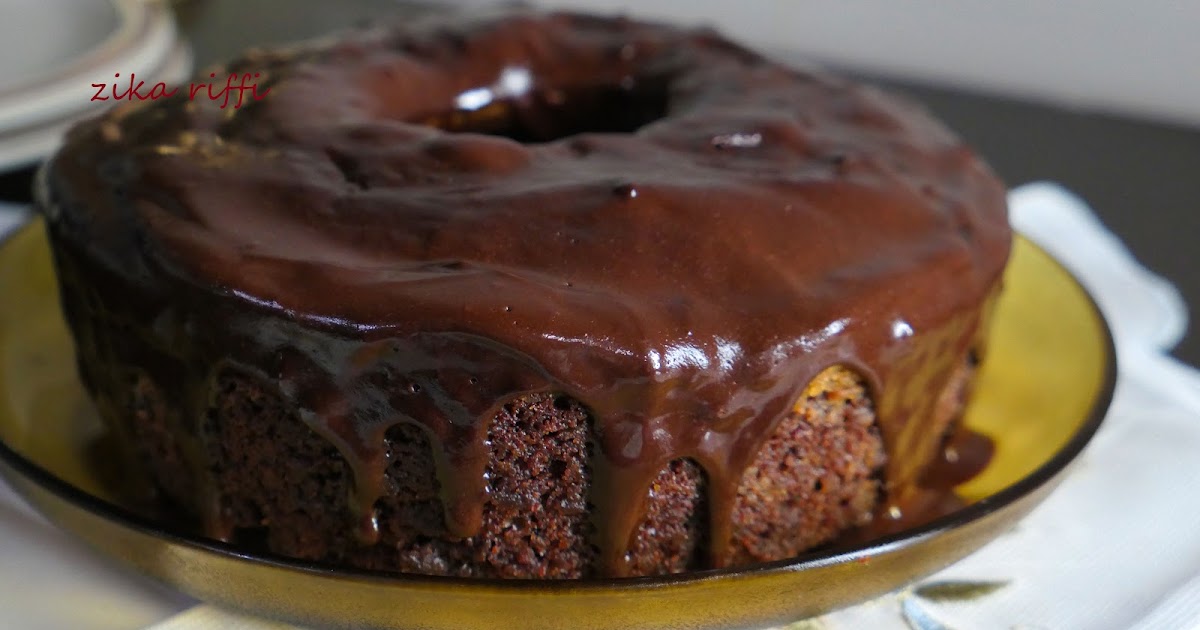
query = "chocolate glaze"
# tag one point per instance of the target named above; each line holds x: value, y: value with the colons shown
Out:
x: 421, y: 222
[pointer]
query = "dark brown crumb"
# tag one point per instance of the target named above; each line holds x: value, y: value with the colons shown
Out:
x: 815, y: 476
x: 537, y: 522
x: 155, y: 443
x: 672, y: 536
x: 273, y: 472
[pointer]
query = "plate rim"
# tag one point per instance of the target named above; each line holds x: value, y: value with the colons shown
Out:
x: 1043, y: 475
x: 144, y: 35
x: 27, y: 145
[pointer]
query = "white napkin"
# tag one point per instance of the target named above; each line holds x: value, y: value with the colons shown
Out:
x: 1116, y: 546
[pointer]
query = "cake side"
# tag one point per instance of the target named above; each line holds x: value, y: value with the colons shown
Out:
x: 275, y: 484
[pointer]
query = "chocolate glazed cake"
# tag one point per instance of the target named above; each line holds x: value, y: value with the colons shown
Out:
x: 528, y: 295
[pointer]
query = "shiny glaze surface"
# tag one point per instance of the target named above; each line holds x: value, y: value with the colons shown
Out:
x: 419, y: 223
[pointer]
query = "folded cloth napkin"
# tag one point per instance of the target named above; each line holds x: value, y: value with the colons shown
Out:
x: 1115, y: 546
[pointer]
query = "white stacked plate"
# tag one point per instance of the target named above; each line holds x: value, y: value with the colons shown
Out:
x: 52, y: 51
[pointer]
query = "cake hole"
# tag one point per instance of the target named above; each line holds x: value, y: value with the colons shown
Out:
x: 518, y: 109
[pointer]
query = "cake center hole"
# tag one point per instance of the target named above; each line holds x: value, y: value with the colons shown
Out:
x: 516, y: 107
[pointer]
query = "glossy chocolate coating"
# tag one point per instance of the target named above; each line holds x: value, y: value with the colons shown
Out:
x: 420, y: 222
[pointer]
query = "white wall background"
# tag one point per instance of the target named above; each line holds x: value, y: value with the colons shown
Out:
x: 1139, y: 57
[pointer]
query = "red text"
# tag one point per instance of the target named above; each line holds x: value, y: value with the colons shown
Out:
x: 237, y: 88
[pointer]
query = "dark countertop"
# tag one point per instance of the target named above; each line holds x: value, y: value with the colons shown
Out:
x: 1140, y: 177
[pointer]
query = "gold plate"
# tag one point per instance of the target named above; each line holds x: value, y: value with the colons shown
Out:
x: 1040, y: 396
